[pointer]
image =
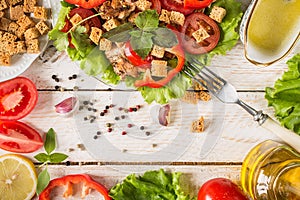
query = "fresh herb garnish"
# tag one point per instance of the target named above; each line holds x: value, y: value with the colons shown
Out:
x: 48, y: 157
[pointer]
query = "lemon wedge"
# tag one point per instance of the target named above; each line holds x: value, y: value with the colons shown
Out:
x: 18, y: 177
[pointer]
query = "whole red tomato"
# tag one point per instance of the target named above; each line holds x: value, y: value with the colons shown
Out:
x: 220, y: 189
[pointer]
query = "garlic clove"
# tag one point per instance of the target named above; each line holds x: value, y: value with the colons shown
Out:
x: 67, y: 105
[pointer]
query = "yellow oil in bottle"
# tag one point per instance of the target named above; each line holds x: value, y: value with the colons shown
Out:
x: 273, y: 23
x: 271, y: 171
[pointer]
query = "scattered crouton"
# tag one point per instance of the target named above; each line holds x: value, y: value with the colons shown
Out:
x: 40, y: 12
x: 42, y: 27
x: 217, y: 13
x: 32, y: 46
x: 29, y: 6
x: 5, y: 59
x: 4, y: 24
x: 200, y: 35
x: 203, y: 95
x: 198, y: 125
x: 31, y: 33
x: 13, y: 2
x: 110, y: 24
x: 96, y: 34
x: 20, y: 32
x: 16, y: 12
x: 13, y: 28
x: 25, y: 22
x: 3, y: 5
x: 165, y: 16
x: 17, y: 47
x: 177, y: 18
x: 158, y: 51
x: 189, y: 97
x: 159, y: 68
x: 9, y: 37
x: 197, y: 86
x: 143, y: 5
x: 105, y: 44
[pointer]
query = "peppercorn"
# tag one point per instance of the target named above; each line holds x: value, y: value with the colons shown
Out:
x: 138, y: 106
x: 142, y: 127
x: 85, y: 118
x: 108, y: 124
x: 57, y: 87
x: 89, y: 109
x: 130, y: 109
x: 68, y: 163
x: 109, y: 129
x: 70, y: 77
x: 117, y: 118
x: 85, y: 102
x: 129, y: 125
x: 102, y: 114
x: 147, y: 133
x: 122, y: 116
x: 94, y: 110
x: 106, y: 107
x: 74, y: 76
x: 95, y: 137
x: 98, y: 132
x: 124, y: 133
x: 53, y: 76
x: 56, y: 79
x: 105, y: 111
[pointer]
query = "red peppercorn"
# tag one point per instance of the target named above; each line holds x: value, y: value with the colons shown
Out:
x: 105, y: 111
x: 109, y: 129
x: 138, y: 106
x: 129, y: 125
x: 124, y: 133
x: 130, y: 109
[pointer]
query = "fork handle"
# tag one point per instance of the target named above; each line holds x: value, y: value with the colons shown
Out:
x: 286, y: 135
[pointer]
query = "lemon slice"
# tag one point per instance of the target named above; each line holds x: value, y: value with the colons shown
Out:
x: 18, y: 177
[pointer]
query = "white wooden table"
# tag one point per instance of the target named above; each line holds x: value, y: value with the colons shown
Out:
x: 233, y: 130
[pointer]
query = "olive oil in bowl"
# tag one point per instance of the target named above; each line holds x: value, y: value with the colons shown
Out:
x: 272, y: 29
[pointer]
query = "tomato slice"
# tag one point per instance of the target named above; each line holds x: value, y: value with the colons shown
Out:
x: 135, y: 59
x: 86, y: 3
x: 192, y: 23
x: 156, y: 5
x: 18, y: 137
x: 197, y: 4
x: 176, y: 5
x: 18, y: 97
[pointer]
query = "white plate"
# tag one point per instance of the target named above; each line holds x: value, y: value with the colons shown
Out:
x: 20, y: 63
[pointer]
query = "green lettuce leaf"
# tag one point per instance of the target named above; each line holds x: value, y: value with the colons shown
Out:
x: 285, y: 96
x: 155, y: 185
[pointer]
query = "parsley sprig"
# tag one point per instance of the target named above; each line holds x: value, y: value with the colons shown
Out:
x: 48, y: 157
x: 146, y: 33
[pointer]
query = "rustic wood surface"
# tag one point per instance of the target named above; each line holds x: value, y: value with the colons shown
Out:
x: 232, y: 131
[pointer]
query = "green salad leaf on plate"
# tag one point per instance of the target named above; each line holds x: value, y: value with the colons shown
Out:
x: 151, y: 185
x: 285, y: 96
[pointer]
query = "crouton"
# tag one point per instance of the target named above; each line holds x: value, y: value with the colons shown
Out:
x: 32, y: 46
x: 42, y: 27
x: 75, y: 19
x: 31, y: 33
x: 165, y: 16
x: 25, y: 22
x: 197, y: 86
x: 8, y: 37
x: 200, y: 35
x: 110, y: 24
x: 3, y: 5
x: 198, y: 125
x: 20, y: 32
x: 40, y: 12
x: 13, y: 2
x: 189, y: 97
x: 105, y: 44
x: 143, y: 5
x: 16, y: 12
x: 5, y: 59
x: 159, y: 68
x: 3, y: 45
x: 217, y: 13
x: 16, y: 47
x: 158, y: 51
x: 29, y: 6
x: 13, y: 28
x: 96, y: 34
x: 177, y: 18
x: 4, y: 23
x: 203, y: 95
x: 132, y: 17
x: 2, y: 14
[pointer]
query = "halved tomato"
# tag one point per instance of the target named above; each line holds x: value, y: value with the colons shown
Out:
x: 194, y: 22
x: 18, y: 97
x: 176, y: 5
x: 18, y: 137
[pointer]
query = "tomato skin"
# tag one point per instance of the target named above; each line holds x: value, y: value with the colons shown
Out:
x: 176, y: 5
x: 18, y: 137
x: 156, y: 5
x: 86, y: 3
x: 193, y: 22
x: 135, y: 59
x: 197, y: 4
x: 18, y: 97
x: 220, y: 189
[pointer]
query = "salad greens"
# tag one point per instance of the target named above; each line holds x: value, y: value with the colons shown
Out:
x: 94, y: 62
x: 155, y: 185
x: 285, y: 96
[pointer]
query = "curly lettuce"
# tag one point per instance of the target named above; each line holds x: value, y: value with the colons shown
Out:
x: 285, y: 96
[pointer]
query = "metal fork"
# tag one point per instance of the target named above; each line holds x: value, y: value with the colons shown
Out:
x: 226, y: 93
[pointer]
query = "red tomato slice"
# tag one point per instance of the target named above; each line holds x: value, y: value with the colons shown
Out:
x: 156, y: 5
x: 18, y: 97
x: 192, y: 23
x: 220, y: 189
x: 135, y: 59
x: 176, y: 5
x: 86, y: 3
x: 197, y: 4
x: 18, y: 137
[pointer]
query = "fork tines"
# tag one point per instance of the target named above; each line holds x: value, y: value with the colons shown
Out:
x: 207, y: 78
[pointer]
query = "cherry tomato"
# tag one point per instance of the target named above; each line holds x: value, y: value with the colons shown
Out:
x: 18, y: 97
x: 220, y: 189
x: 18, y: 137
x: 156, y: 5
x: 192, y: 23
x: 86, y: 3
x: 176, y: 5
x: 197, y: 4
x: 135, y: 59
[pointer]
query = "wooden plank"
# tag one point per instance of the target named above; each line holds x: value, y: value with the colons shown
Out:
x: 230, y: 132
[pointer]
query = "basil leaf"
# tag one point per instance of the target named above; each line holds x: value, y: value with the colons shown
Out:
x: 43, y: 181
x: 119, y: 34
x: 57, y: 157
x: 147, y: 20
x: 42, y: 157
x: 164, y: 37
x: 142, y: 45
x: 50, y: 142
